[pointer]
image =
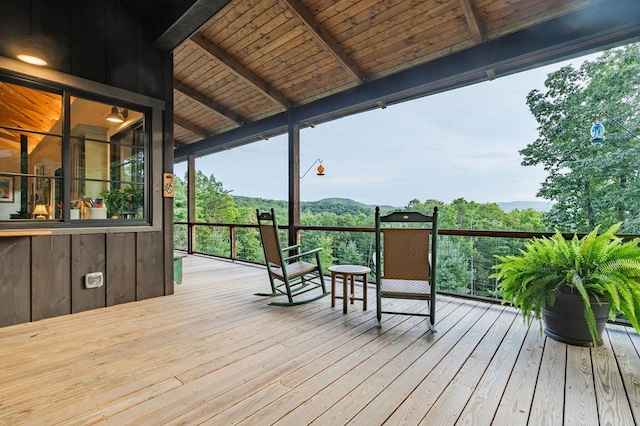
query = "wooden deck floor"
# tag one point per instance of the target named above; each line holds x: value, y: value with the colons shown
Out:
x: 215, y: 354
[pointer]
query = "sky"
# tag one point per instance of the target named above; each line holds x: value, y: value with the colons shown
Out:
x: 458, y: 144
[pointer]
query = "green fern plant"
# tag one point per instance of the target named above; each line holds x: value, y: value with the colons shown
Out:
x: 597, y: 266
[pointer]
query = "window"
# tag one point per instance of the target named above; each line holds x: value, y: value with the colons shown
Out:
x: 106, y: 160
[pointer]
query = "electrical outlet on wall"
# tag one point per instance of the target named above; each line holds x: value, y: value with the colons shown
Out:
x: 94, y: 280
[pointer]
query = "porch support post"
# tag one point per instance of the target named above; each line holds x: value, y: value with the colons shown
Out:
x: 294, y: 178
x: 191, y: 203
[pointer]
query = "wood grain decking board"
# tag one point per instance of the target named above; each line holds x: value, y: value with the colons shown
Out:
x: 215, y: 354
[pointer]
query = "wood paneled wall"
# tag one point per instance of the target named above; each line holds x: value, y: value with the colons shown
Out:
x: 43, y: 276
x: 15, y: 280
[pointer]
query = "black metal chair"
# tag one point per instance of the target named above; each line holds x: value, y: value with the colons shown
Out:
x: 289, y: 274
x: 406, y: 261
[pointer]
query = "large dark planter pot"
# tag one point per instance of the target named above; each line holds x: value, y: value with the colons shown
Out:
x: 565, y: 321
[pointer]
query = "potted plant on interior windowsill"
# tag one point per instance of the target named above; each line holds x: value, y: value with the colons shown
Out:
x: 125, y: 202
x: 574, y: 285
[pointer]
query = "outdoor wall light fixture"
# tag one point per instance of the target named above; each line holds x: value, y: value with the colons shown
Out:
x: 30, y: 51
x: 31, y: 54
x: 320, y: 168
x: 117, y: 116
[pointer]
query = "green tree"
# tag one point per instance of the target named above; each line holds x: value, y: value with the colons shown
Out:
x: 590, y: 183
x: 180, y: 200
x: 326, y: 255
x: 453, y: 273
x: 213, y: 204
x: 348, y: 254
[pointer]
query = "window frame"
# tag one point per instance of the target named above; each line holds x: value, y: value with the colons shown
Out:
x: 70, y: 86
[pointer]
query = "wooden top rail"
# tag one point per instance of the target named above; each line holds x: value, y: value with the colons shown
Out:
x: 458, y: 232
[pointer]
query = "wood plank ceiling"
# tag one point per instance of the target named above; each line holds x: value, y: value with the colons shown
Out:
x: 254, y: 60
x: 25, y: 108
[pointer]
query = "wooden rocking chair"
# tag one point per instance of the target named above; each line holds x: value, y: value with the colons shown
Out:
x: 406, y: 262
x: 289, y: 275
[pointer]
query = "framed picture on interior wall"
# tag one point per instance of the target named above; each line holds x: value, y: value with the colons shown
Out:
x: 6, y: 189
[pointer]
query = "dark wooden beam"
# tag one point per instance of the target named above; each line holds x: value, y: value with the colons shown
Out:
x: 190, y: 127
x: 191, y: 203
x: 208, y: 102
x: 196, y: 15
x: 240, y: 70
x: 325, y: 40
x: 294, y: 177
x: 472, y: 21
x: 603, y: 25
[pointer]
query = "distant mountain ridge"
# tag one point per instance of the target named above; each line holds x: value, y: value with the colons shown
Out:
x: 350, y: 202
x: 355, y: 207
x: 507, y: 206
x: 540, y: 206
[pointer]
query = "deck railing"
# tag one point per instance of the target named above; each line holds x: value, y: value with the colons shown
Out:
x: 465, y: 257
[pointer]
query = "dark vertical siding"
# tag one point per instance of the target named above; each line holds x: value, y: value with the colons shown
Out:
x: 150, y: 266
x: 87, y: 41
x: 121, y: 270
x: 103, y: 41
x: 87, y: 255
x: 56, y: 31
x: 15, y: 274
x: 51, y: 272
x: 121, y: 48
x: 43, y: 276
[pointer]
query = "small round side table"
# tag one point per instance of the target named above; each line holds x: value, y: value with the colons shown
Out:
x: 349, y: 273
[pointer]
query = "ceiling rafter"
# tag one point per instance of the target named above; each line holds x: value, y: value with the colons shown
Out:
x: 189, y: 22
x: 9, y: 137
x: 474, y: 27
x: 190, y: 127
x: 240, y: 70
x: 323, y: 38
x: 472, y: 21
x: 206, y: 101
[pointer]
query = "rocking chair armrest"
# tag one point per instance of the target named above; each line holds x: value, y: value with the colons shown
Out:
x: 306, y: 253
x: 293, y: 247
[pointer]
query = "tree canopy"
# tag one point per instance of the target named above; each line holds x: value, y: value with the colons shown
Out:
x: 590, y: 183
